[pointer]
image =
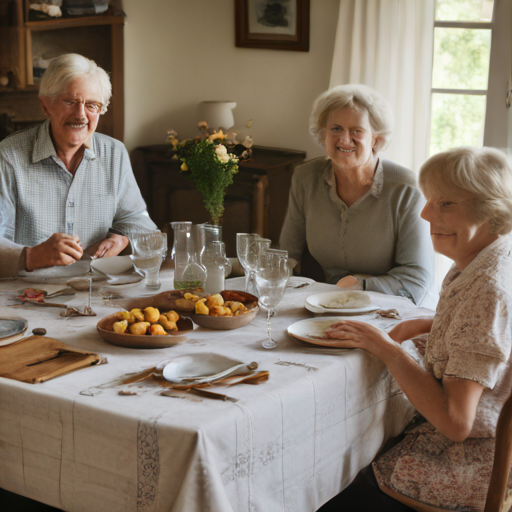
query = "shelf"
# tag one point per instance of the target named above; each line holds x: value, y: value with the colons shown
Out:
x: 78, y: 21
x: 98, y: 37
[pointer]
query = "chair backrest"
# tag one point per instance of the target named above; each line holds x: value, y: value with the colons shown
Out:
x: 502, y: 458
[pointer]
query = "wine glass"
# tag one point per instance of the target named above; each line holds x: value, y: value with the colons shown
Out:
x: 271, y: 277
x: 248, y: 248
x: 148, y: 252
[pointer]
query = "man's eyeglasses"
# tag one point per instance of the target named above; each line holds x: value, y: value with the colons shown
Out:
x: 91, y: 106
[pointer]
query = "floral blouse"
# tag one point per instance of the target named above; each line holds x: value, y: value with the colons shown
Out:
x: 471, y: 338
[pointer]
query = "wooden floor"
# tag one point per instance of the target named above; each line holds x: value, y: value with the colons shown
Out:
x: 10, y: 502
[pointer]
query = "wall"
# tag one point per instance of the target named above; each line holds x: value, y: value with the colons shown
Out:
x: 180, y: 52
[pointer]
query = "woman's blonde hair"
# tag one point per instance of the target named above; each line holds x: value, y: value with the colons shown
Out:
x: 71, y: 66
x: 357, y: 97
x: 485, y: 173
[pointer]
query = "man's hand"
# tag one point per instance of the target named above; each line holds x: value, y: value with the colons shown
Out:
x: 111, y: 246
x: 59, y: 249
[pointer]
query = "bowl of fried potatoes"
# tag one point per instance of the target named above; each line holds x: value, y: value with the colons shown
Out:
x: 147, y: 327
x: 228, y: 309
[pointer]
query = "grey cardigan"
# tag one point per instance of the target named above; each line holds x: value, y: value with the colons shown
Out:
x: 381, y: 235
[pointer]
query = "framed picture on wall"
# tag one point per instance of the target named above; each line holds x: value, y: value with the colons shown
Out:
x: 272, y: 24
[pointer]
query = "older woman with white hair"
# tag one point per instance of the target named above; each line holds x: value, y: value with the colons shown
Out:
x: 66, y: 190
x: 464, y: 378
x: 357, y: 213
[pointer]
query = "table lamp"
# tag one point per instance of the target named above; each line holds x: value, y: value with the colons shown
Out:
x: 217, y: 114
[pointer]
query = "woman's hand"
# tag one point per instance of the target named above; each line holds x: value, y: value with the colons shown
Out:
x: 410, y: 328
x: 350, y: 283
x: 353, y: 334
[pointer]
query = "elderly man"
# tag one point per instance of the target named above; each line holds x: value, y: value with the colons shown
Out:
x: 66, y: 191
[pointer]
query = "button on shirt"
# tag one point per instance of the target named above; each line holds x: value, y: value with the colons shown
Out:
x: 39, y: 197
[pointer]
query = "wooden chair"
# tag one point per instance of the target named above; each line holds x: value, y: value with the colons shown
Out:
x: 497, y: 499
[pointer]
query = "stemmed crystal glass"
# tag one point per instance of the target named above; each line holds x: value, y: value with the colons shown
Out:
x: 248, y: 248
x: 271, y: 277
x: 148, y: 251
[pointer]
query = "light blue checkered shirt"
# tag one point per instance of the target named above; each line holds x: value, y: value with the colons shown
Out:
x: 39, y: 197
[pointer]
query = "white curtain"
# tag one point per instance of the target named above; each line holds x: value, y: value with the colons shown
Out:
x: 387, y: 45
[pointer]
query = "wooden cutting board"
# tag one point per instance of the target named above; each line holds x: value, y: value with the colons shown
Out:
x: 39, y: 358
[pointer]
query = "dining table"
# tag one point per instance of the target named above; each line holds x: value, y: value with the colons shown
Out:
x: 82, y: 442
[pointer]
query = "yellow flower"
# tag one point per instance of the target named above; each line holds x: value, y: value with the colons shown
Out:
x: 216, y: 135
x: 184, y: 167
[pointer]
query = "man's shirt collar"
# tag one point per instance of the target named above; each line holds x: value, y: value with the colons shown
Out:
x: 44, y: 148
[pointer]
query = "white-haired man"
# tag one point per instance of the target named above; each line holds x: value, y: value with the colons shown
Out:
x: 64, y: 189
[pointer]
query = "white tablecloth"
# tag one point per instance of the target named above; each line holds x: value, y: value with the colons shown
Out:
x: 288, y: 444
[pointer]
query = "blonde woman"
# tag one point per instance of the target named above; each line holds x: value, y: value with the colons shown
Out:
x: 446, y: 462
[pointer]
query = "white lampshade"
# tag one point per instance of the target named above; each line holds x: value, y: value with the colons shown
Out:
x: 218, y: 114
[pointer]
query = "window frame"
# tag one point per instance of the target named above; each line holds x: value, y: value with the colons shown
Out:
x: 497, y: 131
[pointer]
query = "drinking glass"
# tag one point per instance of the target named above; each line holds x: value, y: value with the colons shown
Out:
x: 271, y: 277
x: 148, y: 252
x: 248, y: 248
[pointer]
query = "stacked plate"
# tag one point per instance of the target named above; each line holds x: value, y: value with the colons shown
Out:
x: 341, y: 303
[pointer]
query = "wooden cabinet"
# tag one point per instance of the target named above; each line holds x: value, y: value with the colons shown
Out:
x: 24, y: 42
x: 256, y: 202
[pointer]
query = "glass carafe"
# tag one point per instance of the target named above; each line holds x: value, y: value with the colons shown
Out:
x: 211, y: 233
x: 186, y: 255
x: 214, y: 257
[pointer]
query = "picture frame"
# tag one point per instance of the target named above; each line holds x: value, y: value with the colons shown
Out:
x: 272, y: 24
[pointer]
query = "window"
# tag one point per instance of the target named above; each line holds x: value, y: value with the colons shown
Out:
x: 471, y: 74
x: 462, y: 50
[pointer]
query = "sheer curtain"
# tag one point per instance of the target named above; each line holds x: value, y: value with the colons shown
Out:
x: 387, y: 45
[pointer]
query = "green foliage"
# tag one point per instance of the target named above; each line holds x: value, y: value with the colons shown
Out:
x: 461, y: 61
x: 464, y: 10
x: 457, y: 120
x: 461, y: 58
x: 210, y: 175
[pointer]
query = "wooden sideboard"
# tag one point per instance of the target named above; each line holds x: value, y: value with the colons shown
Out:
x: 256, y: 202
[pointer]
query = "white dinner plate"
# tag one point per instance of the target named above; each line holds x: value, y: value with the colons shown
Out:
x: 314, y: 304
x: 311, y: 329
x: 113, y: 266
x: 199, y: 368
